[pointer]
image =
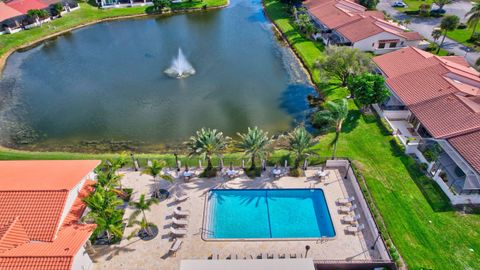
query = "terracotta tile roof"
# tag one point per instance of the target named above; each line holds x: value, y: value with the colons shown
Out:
x: 38, y: 211
x: 37, y: 263
x: 335, y: 13
x: 470, y: 151
x: 78, y: 207
x: 23, y: 6
x: 12, y: 235
x: 43, y: 174
x: 7, y: 12
x: 457, y: 59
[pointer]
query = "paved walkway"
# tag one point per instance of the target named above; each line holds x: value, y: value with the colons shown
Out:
x: 425, y: 26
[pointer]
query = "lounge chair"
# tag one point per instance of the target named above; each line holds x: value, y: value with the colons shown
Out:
x: 351, y: 219
x: 179, y: 222
x: 181, y: 213
x: 175, y: 246
x: 345, y: 200
x: 355, y: 229
x: 347, y: 209
x: 178, y: 232
x: 181, y: 198
x: 293, y: 256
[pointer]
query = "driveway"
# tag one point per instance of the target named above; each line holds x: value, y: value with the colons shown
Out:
x: 425, y: 26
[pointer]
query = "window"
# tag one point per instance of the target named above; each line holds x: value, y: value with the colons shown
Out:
x: 393, y: 44
x: 381, y: 45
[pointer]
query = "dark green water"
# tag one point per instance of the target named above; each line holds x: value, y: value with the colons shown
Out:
x: 104, y: 87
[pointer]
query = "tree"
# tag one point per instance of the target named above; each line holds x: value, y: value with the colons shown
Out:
x: 436, y: 34
x: 107, y: 179
x: 424, y: 10
x: 110, y: 222
x: 102, y: 200
x: 291, y: 2
x: 369, y: 4
x: 57, y: 9
x: 141, y: 206
x: 155, y: 170
x: 335, y: 113
x: 473, y: 17
x: 305, y: 24
x: 442, y: 3
x: 206, y: 143
x: 448, y: 23
x: 368, y: 89
x: 159, y: 5
x: 300, y: 143
x: 341, y: 63
x: 255, y: 144
x: 36, y: 14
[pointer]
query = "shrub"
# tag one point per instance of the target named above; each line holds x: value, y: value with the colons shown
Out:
x: 462, y: 26
x: 296, y: 172
x: 444, y: 176
x: 423, y: 167
x: 412, y: 12
x: 209, y: 173
x: 252, y: 173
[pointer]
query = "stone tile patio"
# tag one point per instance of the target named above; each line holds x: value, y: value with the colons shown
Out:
x: 153, y: 254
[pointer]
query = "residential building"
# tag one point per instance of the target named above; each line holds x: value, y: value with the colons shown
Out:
x: 346, y: 23
x: 122, y: 3
x: 434, y: 110
x: 40, y: 210
x: 13, y: 13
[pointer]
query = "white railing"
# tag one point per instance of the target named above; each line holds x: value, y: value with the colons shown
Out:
x: 396, y: 114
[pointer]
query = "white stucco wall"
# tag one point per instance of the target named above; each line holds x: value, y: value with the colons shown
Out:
x: 371, y: 43
x: 82, y: 261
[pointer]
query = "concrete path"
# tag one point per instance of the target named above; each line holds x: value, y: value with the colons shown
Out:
x: 425, y: 26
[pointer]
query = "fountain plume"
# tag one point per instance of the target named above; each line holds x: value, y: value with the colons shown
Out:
x: 180, y: 67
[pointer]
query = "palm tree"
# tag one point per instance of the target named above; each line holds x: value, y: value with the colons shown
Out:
x: 335, y: 113
x: 110, y: 222
x: 102, y: 200
x: 206, y: 143
x: 141, y: 206
x: 107, y: 179
x: 155, y: 170
x: 300, y: 144
x: 436, y: 34
x: 448, y: 23
x: 255, y: 144
x: 473, y: 17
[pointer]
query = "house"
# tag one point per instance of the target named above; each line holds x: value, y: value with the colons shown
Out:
x: 13, y: 13
x: 122, y: 3
x: 40, y: 210
x: 434, y: 111
x: 346, y: 23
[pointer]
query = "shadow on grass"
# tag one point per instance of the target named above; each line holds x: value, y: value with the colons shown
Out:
x: 438, y: 201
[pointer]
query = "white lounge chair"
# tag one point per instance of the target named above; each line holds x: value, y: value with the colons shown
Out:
x: 178, y: 232
x: 347, y: 209
x: 345, y: 200
x: 355, y: 229
x: 181, y: 198
x: 179, y: 222
x: 175, y: 246
x: 351, y: 219
x: 181, y: 213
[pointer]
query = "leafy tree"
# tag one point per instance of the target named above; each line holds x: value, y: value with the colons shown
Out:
x: 159, y: 5
x: 442, y: 3
x: 369, y: 4
x: 406, y: 22
x: 368, y: 89
x: 206, y: 143
x: 300, y: 144
x: 35, y: 14
x: 448, y: 23
x: 255, y: 144
x: 141, y: 206
x: 57, y: 9
x: 436, y: 34
x: 291, y: 2
x: 155, y: 170
x: 305, y: 24
x: 335, y: 113
x: 473, y: 17
x: 424, y: 9
x: 108, y: 179
x: 341, y: 63
x: 102, y: 200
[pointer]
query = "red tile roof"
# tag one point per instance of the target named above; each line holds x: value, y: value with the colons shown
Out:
x: 23, y: 6
x: 37, y: 263
x: 43, y: 174
x: 7, y: 12
x: 12, y: 234
x: 469, y: 150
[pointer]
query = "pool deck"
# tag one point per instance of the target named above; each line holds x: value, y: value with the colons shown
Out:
x: 153, y: 254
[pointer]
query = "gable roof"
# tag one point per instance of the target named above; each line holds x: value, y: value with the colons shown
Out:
x: 30, y: 175
x: 469, y: 151
x: 23, y: 6
x: 7, y: 12
x: 12, y: 234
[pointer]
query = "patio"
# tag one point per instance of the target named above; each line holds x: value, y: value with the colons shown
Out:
x: 138, y: 254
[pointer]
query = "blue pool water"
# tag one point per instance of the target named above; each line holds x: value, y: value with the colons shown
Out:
x: 278, y: 213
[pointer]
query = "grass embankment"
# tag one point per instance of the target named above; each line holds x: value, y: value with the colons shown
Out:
x: 427, y: 232
x: 85, y: 15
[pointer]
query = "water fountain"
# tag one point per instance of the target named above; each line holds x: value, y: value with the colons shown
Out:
x: 180, y: 67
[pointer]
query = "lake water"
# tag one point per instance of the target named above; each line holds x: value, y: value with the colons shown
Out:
x: 103, y: 87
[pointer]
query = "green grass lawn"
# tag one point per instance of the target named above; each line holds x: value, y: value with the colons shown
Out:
x: 462, y: 36
x: 84, y: 15
x: 428, y: 234
x: 413, y: 5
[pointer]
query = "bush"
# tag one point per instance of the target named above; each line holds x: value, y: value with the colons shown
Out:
x: 412, y: 12
x: 209, y: 173
x: 432, y: 47
x: 423, y: 167
x: 462, y: 26
x: 252, y: 173
x: 296, y: 172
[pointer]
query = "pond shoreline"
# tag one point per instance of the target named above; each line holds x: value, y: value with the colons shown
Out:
x: 31, y: 44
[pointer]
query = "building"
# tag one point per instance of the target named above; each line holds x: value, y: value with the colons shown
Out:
x: 122, y: 3
x: 40, y: 210
x: 434, y: 110
x: 345, y: 23
x: 13, y: 13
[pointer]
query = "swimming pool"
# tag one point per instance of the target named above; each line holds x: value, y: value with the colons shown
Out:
x: 267, y: 214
